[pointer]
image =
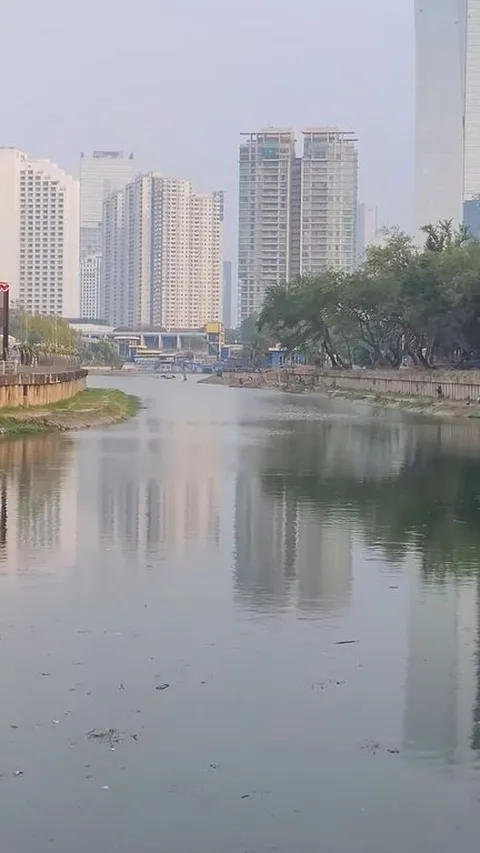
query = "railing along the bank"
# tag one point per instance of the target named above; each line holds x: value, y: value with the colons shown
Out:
x: 40, y: 364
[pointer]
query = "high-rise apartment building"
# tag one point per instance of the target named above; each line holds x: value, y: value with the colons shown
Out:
x: 265, y: 182
x: 114, y: 297
x: 90, y: 271
x: 329, y: 199
x: 297, y: 215
x: 101, y: 173
x: 39, y: 230
x: 447, y: 133
x: 162, y: 259
x: 367, y: 230
x: 227, y: 284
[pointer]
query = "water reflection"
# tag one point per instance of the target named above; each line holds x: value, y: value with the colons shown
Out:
x: 284, y: 553
x: 425, y: 495
x: 412, y: 493
x: 319, y: 509
x: 157, y: 491
x: 38, y: 506
x: 224, y: 543
x: 441, y: 673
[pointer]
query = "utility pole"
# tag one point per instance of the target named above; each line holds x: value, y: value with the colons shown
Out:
x: 4, y: 318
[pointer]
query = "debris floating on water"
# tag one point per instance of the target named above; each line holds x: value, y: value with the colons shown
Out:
x: 373, y: 747
x: 162, y: 686
x: 110, y: 736
x: 346, y: 642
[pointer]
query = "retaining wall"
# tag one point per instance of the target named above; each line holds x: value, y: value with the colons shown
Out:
x: 455, y: 385
x: 40, y: 388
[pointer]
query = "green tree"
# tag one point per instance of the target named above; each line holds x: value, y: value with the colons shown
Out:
x: 102, y: 352
x: 404, y: 303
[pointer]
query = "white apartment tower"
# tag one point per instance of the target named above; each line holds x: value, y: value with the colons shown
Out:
x: 329, y: 200
x: 297, y: 215
x: 101, y: 173
x: 267, y: 161
x: 39, y: 232
x: 447, y: 131
x: 162, y: 257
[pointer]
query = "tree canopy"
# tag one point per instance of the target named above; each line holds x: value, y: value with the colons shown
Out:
x: 50, y: 334
x: 404, y: 304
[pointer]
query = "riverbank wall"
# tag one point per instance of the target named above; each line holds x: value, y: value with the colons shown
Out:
x: 456, y: 386
x: 40, y: 387
x: 439, y: 392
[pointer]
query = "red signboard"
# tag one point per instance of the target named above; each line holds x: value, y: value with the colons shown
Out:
x: 4, y: 286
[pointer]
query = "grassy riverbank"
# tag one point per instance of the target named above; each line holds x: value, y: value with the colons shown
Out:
x: 91, y: 408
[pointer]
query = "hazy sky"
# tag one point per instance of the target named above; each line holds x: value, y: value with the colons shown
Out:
x: 176, y: 81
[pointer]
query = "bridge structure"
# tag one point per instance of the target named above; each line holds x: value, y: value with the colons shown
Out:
x: 169, y: 345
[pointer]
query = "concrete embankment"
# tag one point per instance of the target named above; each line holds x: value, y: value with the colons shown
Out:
x: 438, y: 392
x: 40, y: 387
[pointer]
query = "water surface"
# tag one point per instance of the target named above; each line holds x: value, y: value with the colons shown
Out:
x: 228, y: 543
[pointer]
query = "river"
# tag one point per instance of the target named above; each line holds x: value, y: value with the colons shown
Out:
x: 303, y: 575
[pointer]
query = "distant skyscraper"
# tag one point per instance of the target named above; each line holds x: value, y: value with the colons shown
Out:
x: 39, y: 227
x: 447, y: 171
x: 100, y: 174
x: 227, y: 295
x: 367, y: 230
x: 329, y: 199
x: 220, y: 196
x: 297, y: 215
x: 90, y: 270
x: 115, y: 305
x: 265, y: 182
x: 162, y: 262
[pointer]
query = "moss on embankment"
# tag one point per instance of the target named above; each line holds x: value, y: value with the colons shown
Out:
x: 94, y: 407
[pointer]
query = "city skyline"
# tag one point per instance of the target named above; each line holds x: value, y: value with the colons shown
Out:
x: 96, y: 107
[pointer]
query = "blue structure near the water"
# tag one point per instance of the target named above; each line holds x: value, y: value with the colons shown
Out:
x: 276, y: 357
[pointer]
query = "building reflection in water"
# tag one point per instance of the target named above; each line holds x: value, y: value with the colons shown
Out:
x: 38, y: 503
x: 299, y: 496
x: 285, y: 554
x: 476, y: 707
x: 293, y: 540
x: 441, y: 680
x: 156, y: 494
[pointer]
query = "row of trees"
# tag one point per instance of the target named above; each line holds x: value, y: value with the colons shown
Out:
x: 404, y: 304
x: 41, y: 337
x: 51, y: 335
